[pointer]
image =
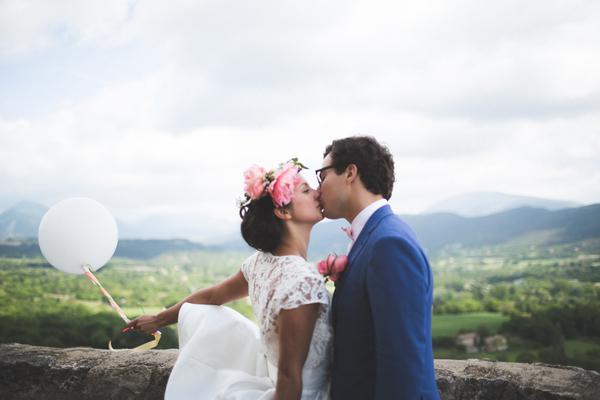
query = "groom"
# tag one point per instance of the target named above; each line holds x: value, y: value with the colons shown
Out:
x: 381, y: 308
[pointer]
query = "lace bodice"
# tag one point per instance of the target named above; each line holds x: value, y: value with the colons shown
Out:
x: 287, y: 282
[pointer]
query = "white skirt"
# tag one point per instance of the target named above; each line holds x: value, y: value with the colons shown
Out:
x: 221, y: 357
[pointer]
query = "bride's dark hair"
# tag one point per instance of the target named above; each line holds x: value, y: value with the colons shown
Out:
x: 260, y: 227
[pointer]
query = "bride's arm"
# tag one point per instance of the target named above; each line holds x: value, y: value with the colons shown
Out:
x: 232, y: 288
x: 296, y: 327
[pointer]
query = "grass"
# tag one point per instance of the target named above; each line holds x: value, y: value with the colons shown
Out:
x: 450, y: 324
x: 575, y: 347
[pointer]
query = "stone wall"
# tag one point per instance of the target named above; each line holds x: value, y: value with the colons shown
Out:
x: 31, y: 372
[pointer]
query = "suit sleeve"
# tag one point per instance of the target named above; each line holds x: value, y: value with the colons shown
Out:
x: 397, y: 287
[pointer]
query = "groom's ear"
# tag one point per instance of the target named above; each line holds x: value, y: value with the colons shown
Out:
x: 351, y: 173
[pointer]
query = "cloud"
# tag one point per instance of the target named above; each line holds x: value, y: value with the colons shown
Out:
x: 498, y: 61
x: 154, y: 107
x: 30, y: 26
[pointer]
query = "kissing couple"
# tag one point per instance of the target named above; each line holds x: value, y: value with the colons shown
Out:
x: 370, y: 340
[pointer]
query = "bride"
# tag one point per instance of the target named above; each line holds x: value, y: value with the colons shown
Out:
x: 223, y: 355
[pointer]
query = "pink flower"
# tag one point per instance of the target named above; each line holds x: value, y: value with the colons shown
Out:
x: 254, y: 181
x: 332, y: 267
x: 282, y: 188
x: 324, y: 265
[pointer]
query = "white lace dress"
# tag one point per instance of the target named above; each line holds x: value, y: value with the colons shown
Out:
x: 223, y: 355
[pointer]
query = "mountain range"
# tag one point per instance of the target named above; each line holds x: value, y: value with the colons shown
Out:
x: 22, y: 219
x: 437, y: 231
x: 478, y: 204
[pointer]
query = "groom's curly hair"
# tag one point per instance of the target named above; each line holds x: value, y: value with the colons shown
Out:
x: 373, y: 160
x: 260, y: 227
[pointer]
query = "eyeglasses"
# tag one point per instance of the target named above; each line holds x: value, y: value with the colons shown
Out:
x: 320, y: 177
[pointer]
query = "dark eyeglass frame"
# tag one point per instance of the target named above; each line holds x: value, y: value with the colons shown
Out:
x: 318, y: 173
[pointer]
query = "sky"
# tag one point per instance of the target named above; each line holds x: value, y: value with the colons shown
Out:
x: 156, y: 108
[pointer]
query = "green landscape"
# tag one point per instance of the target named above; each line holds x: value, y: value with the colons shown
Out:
x: 543, y: 299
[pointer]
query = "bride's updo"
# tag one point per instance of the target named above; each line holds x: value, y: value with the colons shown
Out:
x: 265, y: 191
x: 260, y: 227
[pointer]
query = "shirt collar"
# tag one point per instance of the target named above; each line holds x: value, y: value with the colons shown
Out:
x: 359, y: 222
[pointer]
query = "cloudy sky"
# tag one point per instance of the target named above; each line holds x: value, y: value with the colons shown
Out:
x: 155, y: 108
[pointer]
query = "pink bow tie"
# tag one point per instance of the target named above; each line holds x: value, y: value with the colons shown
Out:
x: 349, y: 232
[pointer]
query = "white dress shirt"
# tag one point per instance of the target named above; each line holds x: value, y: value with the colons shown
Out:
x: 359, y: 222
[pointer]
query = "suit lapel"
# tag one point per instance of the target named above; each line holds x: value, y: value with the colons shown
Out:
x: 363, y: 238
x: 357, y: 248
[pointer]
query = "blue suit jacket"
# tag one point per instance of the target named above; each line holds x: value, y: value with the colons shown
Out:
x: 381, y: 314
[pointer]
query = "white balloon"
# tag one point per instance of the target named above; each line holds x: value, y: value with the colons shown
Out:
x: 76, y: 232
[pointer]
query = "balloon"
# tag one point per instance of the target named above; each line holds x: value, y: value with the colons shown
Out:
x: 76, y: 232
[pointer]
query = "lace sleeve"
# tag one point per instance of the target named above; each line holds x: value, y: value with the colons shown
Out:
x: 248, y: 266
x: 302, y: 286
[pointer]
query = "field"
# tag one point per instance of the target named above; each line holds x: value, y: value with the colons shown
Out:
x: 452, y: 324
x: 544, y: 301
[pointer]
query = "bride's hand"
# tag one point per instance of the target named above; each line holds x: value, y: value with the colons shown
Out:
x: 145, y: 323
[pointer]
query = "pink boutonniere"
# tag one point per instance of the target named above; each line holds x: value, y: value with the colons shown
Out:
x: 332, y: 267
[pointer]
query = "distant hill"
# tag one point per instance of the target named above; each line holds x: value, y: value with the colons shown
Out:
x: 437, y: 231
x: 21, y: 220
x: 562, y: 226
x: 479, y: 204
x: 128, y: 248
x: 146, y: 249
x: 205, y: 229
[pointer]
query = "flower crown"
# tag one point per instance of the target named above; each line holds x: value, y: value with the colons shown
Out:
x: 279, y: 183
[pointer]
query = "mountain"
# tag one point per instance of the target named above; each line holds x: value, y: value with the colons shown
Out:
x: 477, y: 204
x: 146, y: 249
x: 202, y: 228
x: 128, y: 248
x: 436, y: 232
x: 442, y: 230
x: 153, y: 236
x: 21, y: 220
